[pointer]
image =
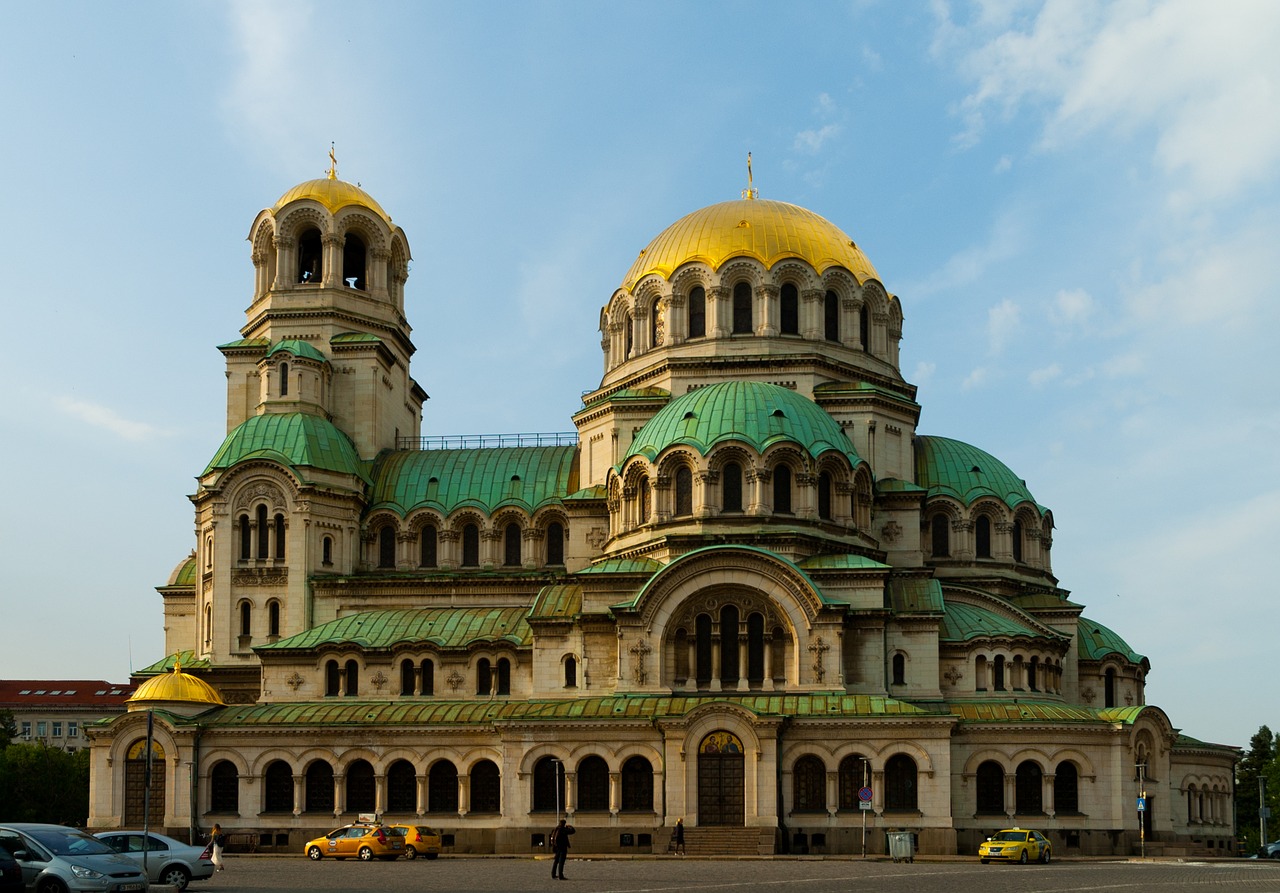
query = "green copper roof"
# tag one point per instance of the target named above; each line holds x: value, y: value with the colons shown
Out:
x: 749, y: 412
x: 298, y: 348
x: 843, y: 561
x: 529, y: 477
x: 949, y: 467
x: 187, y: 659
x: 963, y: 622
x: 186, y: 575
x: 355, y: 338
x: 442, y: 627
x: 1096, y: 641
x: 295, y: 439
x: 558, y: 602
x: 895, y: 485
x: 242, y: 343
x: 729, y: 549
x: 915, y: 595
x: 623, y: 566
x: 634, y: 394
x: 344, y: 712
x: 1008, y: 710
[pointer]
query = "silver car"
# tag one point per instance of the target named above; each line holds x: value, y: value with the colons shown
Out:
x: 58, y: 859
x: 169, y: 861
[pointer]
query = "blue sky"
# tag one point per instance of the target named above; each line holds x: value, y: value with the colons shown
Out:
x: 1076, y: 203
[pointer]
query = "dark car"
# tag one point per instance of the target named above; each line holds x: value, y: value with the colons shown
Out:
x: 10, y: 874
x: 58, y: 859
x: 1271, y: 850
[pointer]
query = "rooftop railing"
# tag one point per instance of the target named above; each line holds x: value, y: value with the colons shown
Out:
x: 487, y: 441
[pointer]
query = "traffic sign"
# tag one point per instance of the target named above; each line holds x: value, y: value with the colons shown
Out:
x: 1142, y: 804
x: 864, y: 805
x: 864, y: 794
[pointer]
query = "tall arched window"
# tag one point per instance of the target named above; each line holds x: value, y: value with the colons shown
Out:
x: 318, y: 788
x: 593, y: 785
x: 789, y: 310
x: 782, y: 490
x: 1017, y: 541
x: 982, y: 536
x: 402, y: 788
x: 471, y: 546
x: 224, y: 787
x: 684, y: 491
x: 548, y: 785
x: 809, y: 785
x: 277, y: 788
x: 1030, y: 788
x: 264, y: 533
x: 755, y: 648
x: 729, y: 645
x: 555, y: 543
x: 326, y: 550
x: 284, y: 379
x: 742, y: 324
x: 731, y: 476
x: 279, y: 525
x: 831, y: 316
x: 310, y: 257
x: 428, y: 677
x: 1066, y: 788
x: 900, y: 793
x: 387, y: 547
x: 990, y: 788
x: 353, y: 261
x: 655, y: 325
x: 408, y: 678
x: 351, y: 686
x: 273, y: 618
x: 428, y: 543
x: 484, y: 677
x: 571, y: 672
x: 698, y: 313
x: 854, y: 774
x: 940, y: 529
x: 1033, y: 673
x: 504, y: 676
x: 997, y: 673
x: 644, y: 501
x: 899, y: 669
x: 637, y: 785
x: 864, y: 328
x: 631, y: 334
x: 246, y: 538
x: 360, y: 787
x: 702, y: 648
x: 332, y: 679
x: 824, y: 495
x: 442, y: 787
x: 246, y: 619
x: 511, y: 545
x: 1109, y: 688
x: 486, y: 787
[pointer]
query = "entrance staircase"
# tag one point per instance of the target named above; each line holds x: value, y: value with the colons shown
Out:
x: 719, y: 841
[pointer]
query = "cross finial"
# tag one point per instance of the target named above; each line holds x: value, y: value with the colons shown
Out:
x: 333, y: 163
x: 750, y: 192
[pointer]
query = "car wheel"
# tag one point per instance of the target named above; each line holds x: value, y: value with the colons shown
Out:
x: 176, y: 876
x: 431, y: 855
x: 315, y: 854
x: 1275, y: 854
x: 51, y: 885
x: 1045, y: 856
x: 366, y: 853
x: 410, y: 853
x: 984, y: 861
x: 1023, y: 857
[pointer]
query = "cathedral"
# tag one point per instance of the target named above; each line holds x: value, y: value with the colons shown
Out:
x: 745, y: 591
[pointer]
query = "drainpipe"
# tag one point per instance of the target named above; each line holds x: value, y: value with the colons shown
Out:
x: 193, y: 829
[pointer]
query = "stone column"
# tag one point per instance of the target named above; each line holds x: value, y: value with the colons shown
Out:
x: 768, y: 662
x: 615, y: 792
x: 332, y: 252
x: 719, y: 312
x: 715, y: 658
x: 339, y: 793
x: 299, y: 794
x: 766, y: 298
x: 420, y: 785
x: 464, y: 794
x: 743, y: 657
x: 691, y: 682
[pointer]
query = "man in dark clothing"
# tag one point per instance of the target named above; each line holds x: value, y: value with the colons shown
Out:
x: 560, y: 846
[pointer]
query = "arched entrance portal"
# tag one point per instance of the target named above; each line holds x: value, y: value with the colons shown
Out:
x: 135, y: 784
x: 720, y: 780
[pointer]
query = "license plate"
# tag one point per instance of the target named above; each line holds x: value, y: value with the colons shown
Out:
x: 125, y: 888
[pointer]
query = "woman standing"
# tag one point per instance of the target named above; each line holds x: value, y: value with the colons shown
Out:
x: 219, y: 840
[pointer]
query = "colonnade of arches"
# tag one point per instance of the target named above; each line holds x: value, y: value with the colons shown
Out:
x: 416, y: 677
x: 1028, y: 789
x: 1208, y: 803
x: 815, y: 788
x: 1016, y: 672
x: 988, y: 531
x: 467, y: 540
x: 730, y: 648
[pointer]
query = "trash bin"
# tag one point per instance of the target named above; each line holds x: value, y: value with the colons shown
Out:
x: 902, y: 846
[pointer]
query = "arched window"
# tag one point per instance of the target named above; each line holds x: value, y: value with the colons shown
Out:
x: 246, y: 617
x: 511, y: 545
x: 864, y: 328
x: 990, y: 788
x: 402, y: 788
x: 246, y: 538
x: 1017, y: 541
x: 782, y: 490
x: 486, y: 787
x: 831, y: 316
x: 224, y: 787
x: 471, y: 546
x: 593, y: 785
x: 351, y: 685
x: 900, y: 784
x: 332, y: 679
x: 277, y: 788
x: 484, y: 677
x: 702, y: 648
x: 789, y: 310
x: 854, y: 774
x: 360, y: 787
x: 824, y: 495
x: 326, y: 550
x: 548, y: 785
x: 1030, y: 788
x: 1109, y: 688
x: 264, y: 533
x: 655, y: 325
x: 442, y: 787
x: 428, y: 678
x: 755, y: 648
x: 940, y: 528
x: 1032, y: 674
x: 318, y: 788
x: 280, y: 537
x: 1066, y: 788
x: 555, y: 543
x: 809, y: 785
x: 684, y: 491
x: 310, y: 257
x: 732, y: 483
x: 742, y: 324
x: 637, y: 785
x: 428, y: 543
x: 899, y: 670
x: 354, y: 258
x: 698, y: 313
x: 284, y: 379
x: 729, y: 645
x: 408, y: 678
x: 997, y: 673
x: 571, y: 672
x: 273, y: 618
x: 644, y: 501
x: 504, y: 676
x: 982, y: 536
x: 387, y: 547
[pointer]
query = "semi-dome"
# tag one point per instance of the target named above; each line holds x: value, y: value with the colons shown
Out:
x: 334, y: 194
x: 966, y: 473
x: 297, y: 440
x: 751, y: 412
x: 174, y: 689
x: 767, y: 231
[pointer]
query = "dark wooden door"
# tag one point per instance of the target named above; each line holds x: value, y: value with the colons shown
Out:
x: 720, y: 789
x: 135, y: 784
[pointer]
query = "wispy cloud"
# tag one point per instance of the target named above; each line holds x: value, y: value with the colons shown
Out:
x: 108, y: 419
x: 1071, y: 307
x: 1003, y: 322
x: 967, y: 266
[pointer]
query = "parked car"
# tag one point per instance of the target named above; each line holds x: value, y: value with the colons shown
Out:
x: 10, y: 874
x: 58, y: 859
x: 419, y: 840
x: 169, y: 861
x: 1272, y: 850
x: 1016, y: 845
x: 363, y: 840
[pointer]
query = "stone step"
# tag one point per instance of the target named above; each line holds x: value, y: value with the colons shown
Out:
x: 719, y: 841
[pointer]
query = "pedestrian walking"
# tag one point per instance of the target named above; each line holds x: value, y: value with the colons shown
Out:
x: 560, y: 847
x: 218, y: 840
x: 678, y: 837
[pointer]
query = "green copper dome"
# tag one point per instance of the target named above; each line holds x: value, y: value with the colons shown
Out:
x: 949, y: 467
x: 295, y: 439
x: 1096, y: 641
x: 749, y: 412
x: 298, y: 348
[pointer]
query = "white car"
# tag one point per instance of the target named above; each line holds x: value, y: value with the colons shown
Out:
x: 169, y: 861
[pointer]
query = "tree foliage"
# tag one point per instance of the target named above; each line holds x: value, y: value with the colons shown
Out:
x: 44, y: 784
x: 1261, y: 760
x: 8, y: 728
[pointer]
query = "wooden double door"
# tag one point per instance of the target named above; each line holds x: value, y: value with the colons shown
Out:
x: 721, y: 773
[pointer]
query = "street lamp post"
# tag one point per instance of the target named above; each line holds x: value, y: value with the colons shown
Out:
x: 1142, y: 807
x: 559, y: 783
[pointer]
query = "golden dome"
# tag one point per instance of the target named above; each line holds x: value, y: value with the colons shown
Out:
x: 768, y: 231
x: 334, y: 194
x: 176, y: 687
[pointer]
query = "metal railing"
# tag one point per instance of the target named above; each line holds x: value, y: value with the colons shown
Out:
x: 487, y: 441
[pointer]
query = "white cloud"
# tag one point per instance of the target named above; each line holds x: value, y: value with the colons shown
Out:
x: 1040, y: 377
x: 108, y: 420
x: 967, y: 266
x: 975, y: 379
x: 1003, y: 165
x: 1071, y: 307
x: 811, y: 141
x: 924, y: 372
x: 1003, y: 322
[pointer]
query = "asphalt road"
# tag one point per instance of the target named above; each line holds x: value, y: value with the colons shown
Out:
x: 670, y: 874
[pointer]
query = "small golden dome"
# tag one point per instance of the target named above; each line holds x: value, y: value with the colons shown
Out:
x: 768, y: 231
x: 334, y: 194
x: 175, y: 687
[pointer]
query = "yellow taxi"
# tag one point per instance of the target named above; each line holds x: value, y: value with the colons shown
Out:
x: 362, y: 840
x: 419, y: 840
x: 1016, y: 845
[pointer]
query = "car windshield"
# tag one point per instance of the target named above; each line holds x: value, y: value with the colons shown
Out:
x: 70, y: 842
x: 1011, y: 836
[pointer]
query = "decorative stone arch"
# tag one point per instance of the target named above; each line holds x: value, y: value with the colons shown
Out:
x: 419, y: 518
x: 473, y: 755
x: 258, y: 766
x: 724, y: 453
x: 1035, y: 755
x: 987, y: 755
x: 863, y: 496
x: 292, y: 223
x: 794, y: 750
x: 923, y: 761
x: 349, y: 756
x: 796, y: 272
x: 357, y: 220
x: 395, y: 754
x: 741, y: 269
